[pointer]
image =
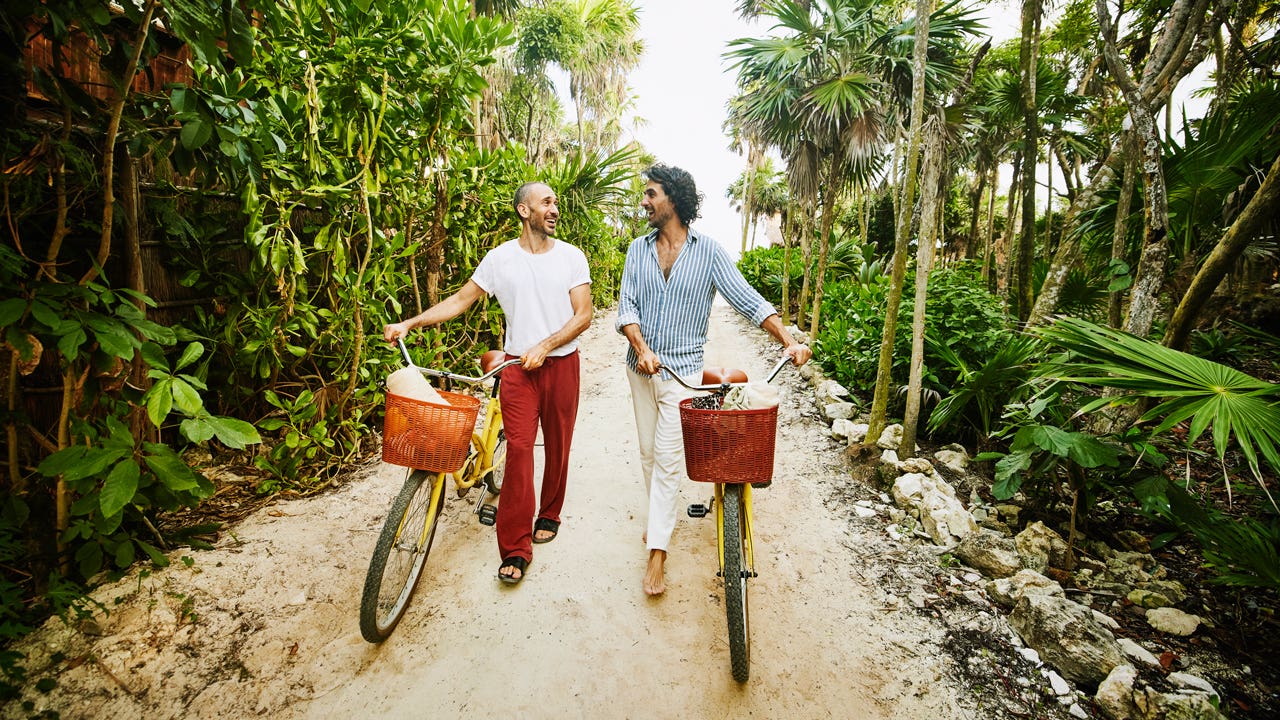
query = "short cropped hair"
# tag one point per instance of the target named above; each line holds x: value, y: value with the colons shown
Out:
x: 679, y: 186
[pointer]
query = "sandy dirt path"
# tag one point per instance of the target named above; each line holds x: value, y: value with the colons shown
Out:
x: 266, y: 624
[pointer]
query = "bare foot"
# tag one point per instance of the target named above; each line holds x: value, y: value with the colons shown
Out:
x: 655, y: 582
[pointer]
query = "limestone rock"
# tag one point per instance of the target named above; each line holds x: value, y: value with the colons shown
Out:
x: 1191, y: 682
x: 1137, y: 652
x: 857, y: 432
x: 1009, y: 513
x: 891, y: 438
x: 840, y: 428
x: 957, y: 461
x: 943, y: 517
x: 989, y: 552
x: 1115, y: 693
x: 1173, y: 621
x: 838, y: 411
x: 916, y: 465
x: 1067, y: 637
x: 1041, y: 547
x: 1008, y: 591
x: 831, y: 391
x: 1147, y: 599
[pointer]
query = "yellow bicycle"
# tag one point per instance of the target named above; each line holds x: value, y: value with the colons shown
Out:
x: 433, y: 442
x: 734, y: 450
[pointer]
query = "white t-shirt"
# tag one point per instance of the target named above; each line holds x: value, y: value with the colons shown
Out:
x: 533, y: 291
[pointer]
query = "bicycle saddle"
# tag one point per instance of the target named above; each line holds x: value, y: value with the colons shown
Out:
x: 718, y: 375
x: 491, y: 360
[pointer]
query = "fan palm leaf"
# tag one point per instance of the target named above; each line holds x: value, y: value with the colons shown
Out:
x: 1231, y: 405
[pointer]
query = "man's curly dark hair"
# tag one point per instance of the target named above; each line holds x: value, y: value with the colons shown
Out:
x: 679, y: 186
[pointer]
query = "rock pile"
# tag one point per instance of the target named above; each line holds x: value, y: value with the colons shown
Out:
x: 1075, y: 643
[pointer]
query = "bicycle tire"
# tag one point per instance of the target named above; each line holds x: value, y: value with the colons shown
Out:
x: 396, y: 566
x: 735, y: 582
x: 493, y: 479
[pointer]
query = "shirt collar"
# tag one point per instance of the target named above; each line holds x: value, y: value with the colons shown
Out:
x: 652, y: 236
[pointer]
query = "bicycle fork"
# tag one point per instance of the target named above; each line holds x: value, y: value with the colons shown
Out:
x: 716, y: 504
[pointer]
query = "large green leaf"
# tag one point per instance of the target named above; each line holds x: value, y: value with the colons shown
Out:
x: 120, y: 487
x: 172, y: 472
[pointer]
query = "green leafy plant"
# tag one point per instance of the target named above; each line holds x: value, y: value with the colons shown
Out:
x: 1242, y: 552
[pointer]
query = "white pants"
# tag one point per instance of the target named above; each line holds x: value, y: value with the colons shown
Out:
x: 656, y: 404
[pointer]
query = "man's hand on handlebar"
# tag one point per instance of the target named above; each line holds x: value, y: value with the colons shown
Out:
x: 799, y: 353
x: 394, y: 332
x: 647, y: 363
x: 534, y: 357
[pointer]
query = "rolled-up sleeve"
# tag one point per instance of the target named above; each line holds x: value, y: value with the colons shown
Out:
x: 737, y: 291
x: 628, y: 300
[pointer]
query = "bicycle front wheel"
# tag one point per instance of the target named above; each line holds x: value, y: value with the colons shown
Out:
x: 400, y: 553
x: 493, y: 480
x: 733, y: 516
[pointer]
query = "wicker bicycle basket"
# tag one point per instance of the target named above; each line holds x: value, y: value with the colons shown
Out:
x: 428, y: 436
x: 728, y: 446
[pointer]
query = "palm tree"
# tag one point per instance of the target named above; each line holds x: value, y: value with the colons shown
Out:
x: 610, y: 49
x: 813, y: 94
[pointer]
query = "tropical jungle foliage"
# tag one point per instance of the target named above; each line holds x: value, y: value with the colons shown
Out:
x: 211, y: 209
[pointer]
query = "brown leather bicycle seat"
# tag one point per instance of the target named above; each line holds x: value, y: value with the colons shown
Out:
x: 717, y: 375
x: 492, y: 359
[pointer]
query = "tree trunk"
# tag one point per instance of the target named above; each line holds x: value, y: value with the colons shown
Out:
x: 1119, y: 246
x: 787, y: 229
x: 1005, y: 260
x: 975, y: 201
x: 824, y: 245
x: 1020, y: 290
x: 806, y: 256
x: 1262, y: 208
x: 884, y: 369
x: 1174, y: 55
x: 109, y: 145
x: 988, y: 276
x: 930, y: 199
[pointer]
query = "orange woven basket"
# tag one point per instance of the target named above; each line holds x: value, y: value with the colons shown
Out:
x: 428, y: 436
x: 728, y: 446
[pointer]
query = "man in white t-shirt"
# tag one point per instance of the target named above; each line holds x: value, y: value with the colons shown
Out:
x: 544, y: 288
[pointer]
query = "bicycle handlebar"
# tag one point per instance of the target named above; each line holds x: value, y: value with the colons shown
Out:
x: 404, y: 351
x: 709, y: 388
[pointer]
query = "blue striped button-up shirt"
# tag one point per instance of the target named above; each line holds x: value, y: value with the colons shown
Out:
x: 672, y: 312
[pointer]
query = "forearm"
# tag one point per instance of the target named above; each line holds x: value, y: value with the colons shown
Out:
x: 572, y: 329
x: 773, y: 326
x: 635, y: 338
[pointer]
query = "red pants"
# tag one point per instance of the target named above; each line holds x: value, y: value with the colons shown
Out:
x: 548, y: 395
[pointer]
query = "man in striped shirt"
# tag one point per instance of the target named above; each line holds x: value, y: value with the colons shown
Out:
x: 670, y: 279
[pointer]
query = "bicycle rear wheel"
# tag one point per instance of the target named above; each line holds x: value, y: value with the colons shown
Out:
x: 400, y: 553
x: 735, y: 581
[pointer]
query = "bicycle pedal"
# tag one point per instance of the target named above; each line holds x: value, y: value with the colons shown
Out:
x: 488, y: 514
x: 698, y: 510
x: 761, y: 485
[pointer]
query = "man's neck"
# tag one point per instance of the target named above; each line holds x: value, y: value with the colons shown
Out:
x: 673, y: 233
x: 535, y: 242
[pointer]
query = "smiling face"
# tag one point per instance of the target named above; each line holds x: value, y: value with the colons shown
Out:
x: 540, y: 210
x: 657, y: 204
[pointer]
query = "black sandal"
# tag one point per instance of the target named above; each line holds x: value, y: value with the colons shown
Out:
x: 516, y: 562
x: 550, y: 526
